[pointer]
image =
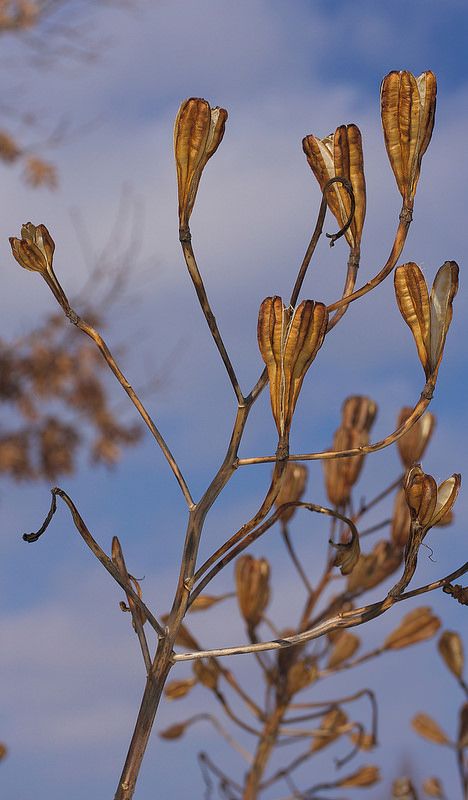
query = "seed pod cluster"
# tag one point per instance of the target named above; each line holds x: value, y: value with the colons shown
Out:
x: 340, y: 155
x: 289, y: 340
x: 252, y: 587
x: 358, y: 415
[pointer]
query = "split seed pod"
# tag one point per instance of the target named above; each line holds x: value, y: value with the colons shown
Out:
x: 358, y: 412
x: 289, y: 341
x: 293, y: 484
x: 428, y: 317
x: 198, y: 132
x: 412, y: 445
x: 451, y: 649
x: 429, y: 503
x: 252, y: 587
x: 35, y: 252
x: 408, y: 110
x: 340, y: 155
x: 347, y: 553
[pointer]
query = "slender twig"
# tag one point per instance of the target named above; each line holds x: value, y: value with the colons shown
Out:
x: 348, y: 619
x: 294, y: 558
x: 119, y: 561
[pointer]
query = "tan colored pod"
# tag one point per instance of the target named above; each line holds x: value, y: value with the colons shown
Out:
x: 412, y: 445
x: 252, y: 587
x: 293, y: 484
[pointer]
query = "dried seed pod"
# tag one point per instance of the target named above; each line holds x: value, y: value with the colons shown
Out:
x: 174, y: 731
x: 428, y: 318
x: 417, y: 626
x: 433, y: 788
x: 345, y: 647
x: 401, y: 520
x: 330, y: 729
x: 300, y: 675
x: 451, y: 649
x: 421, y: 495
x: 35, y: 251
x: 408, y: 110
x: 198, y: 132
x: 462, y: 741
x: 340, y: 155
x: 372, y: 568
x: 289, y: 341
x: 347, y: 554
x: 358, y: 412
x: 403, y: 789
x: 184, y: 637
x: 205, y: 601
x: 175, y: 690
x: 412, y: 445
x: 3, y: 751
x: 429, y: 729
x: 365, y: 741
x: 293, y: 484
x: 252, y: 587
x: 365, y: 776
x: 342, y: 473
x: 206, y: 671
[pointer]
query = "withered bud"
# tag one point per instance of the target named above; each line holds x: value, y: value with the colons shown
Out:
x: 174, y: 731
x: 429, y: 729
x: 403, y: 789
x: 175, y: 690
x: 451, y: 649
x: 358, y: 412
x: 252, y: 587
x: 428, y: 318
x: 365, y: 776
x: 340, y: 155
x: 412, y: 445
x: 331, y: 728
x: 408, y: 110
x: 289, y: 341
x: 293, y: 484
x: 462, y: 741
x: 206, y: 672
x: 417, y: 626
x: 401, y: 520
x: 198, y: 132
x: 344, y: 648
x: 432, y: 787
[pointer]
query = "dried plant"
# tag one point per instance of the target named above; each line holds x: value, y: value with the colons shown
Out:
x: 291, y: 336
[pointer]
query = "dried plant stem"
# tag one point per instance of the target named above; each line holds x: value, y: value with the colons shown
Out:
x: 262, y: 754
x: 197, y: 281
x: 350, y: 282
x: 417, y: 412
x: 398, y: 244
x: 366, y: 506
x: 294, y: 558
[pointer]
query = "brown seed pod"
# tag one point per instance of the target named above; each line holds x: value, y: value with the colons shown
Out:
x: 35, y: 251
x: 365, y: 741
x: 252, y: 587
x: 416, y: 626
x: 289, y: 341
x: 340, y: 155
x: 344, y: 648
x: 299, y: 676
x: 358, y: 412
x: 412, y: 445
x: 451, y: 649
x: 174, y: 731
x: 293, y: 484
x: 429, y: 318
x: 342, y: 473
x: 365, y: 776
x: 330, y: 729
x: 429, y: 729
x: 429, y: 503
x: 206, y: 601
x: 347, y: 554
x: 432, y: 787
x: 175, y: 690
x: 401, y: 520
x: 198, y: 132
x: 408, y: 110
x: 403, y: 789
x: 372, y: 568
x: 206, y: 671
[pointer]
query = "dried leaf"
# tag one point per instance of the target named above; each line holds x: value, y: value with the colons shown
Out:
x: 429, y: 729
x: 347, y: 554
x: 344, y: 648
x: 417, y: 626
x: 451, y: 649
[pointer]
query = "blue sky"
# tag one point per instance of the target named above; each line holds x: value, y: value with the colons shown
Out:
x: 71, y: 675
